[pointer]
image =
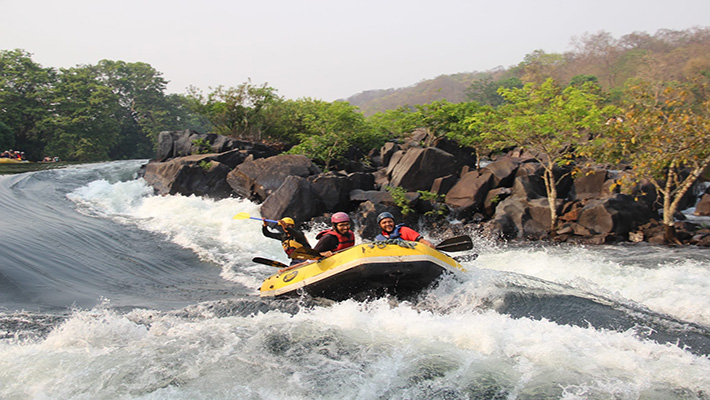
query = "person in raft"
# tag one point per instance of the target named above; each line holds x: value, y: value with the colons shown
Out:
x: 339, y: 237
x: 391, y: 231
x: 290, y: 238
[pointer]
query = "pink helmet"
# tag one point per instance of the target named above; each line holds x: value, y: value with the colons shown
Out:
x: 339, y: 217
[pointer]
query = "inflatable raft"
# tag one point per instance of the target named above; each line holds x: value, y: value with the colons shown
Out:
x: 5, y: 160
x: 401, y: 269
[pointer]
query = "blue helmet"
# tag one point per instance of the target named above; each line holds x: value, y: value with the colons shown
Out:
x: 383, y: 216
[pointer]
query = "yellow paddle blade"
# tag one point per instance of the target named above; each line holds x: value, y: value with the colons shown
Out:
x: 242, y: 215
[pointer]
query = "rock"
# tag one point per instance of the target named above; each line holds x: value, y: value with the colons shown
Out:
x: 591, y: 184
x: 417, y: 168
x: 443, y: 184
x: 529, y: 187
x: 372, y: 196
x: 257, y: 179
x: 503, y: 170
x: 199, y: 175
x: 703, y: 206
x: 616, y: 215
x: 333, y: 190
x: 469, y: 193
x: 294, y: 198
x: 463, y: 156
x: 173, y: 144
x: 493, y: 198
x: 387, y: 151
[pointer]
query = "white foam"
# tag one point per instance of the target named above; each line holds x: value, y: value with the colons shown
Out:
x: 348, y: 350
x: 676, y: 288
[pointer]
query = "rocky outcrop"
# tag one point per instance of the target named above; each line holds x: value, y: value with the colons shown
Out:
x: 201, y: 175
x: 257, y: 179
x: 173, y: 144
x: 505, y: 199
x: 417, y: 168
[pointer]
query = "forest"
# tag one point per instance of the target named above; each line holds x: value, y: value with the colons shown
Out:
x: 641, y: 100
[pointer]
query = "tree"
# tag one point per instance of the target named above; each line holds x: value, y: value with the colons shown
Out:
x: 82, y: 125
x: 331, y: 133
x: 485, y: 90
x: 239, y: 112
x: 547, y: 121
x: 664, y: 135
x: 23, y: 99
x: 144, y: 108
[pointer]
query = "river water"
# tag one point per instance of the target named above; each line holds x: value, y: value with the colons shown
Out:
x: 110, y: 292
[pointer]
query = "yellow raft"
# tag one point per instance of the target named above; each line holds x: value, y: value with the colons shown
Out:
x: 5, y: 160
x: 401, y: 269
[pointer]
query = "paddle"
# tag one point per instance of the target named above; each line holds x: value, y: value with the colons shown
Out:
x: 244, y: 215
x: 266, y: 261
x: 305, y: 253
x: 458, y: 243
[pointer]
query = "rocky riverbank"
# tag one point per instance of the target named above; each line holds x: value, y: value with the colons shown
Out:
x: 503, y: 200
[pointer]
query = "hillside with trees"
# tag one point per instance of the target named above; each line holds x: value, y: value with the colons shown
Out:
x: 611, y: 62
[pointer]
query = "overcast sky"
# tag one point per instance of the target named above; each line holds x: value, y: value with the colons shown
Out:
x: 322, y: 49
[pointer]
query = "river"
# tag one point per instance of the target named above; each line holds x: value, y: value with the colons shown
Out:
x: 110, y: 292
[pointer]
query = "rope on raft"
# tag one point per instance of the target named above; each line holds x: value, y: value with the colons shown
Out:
x: 381, y: 244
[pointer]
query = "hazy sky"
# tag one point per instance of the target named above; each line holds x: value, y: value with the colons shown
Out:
x: 323, y: 49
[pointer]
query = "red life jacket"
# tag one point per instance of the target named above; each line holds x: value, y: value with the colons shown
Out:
x: 344, y: 241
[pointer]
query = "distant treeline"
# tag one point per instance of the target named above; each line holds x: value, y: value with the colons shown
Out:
x: 667, y: 55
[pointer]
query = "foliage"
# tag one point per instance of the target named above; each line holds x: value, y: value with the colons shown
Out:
x: 36, y: 106
x: 677, y: 55
x: 547, y: 121
x: 329, y: 131
x: 440, y: 119
x: 664, y: 135
x: 485, y: 90
x: 85, y: 128
x: 397, y: 123
x: 144, y: 108
x: 239, y: 112
x: 23, y: 99
x: 399, y: 195
x: 205, y: 165
x: 203, y: 146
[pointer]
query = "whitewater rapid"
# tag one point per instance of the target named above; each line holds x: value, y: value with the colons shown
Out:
x: 526, y: 322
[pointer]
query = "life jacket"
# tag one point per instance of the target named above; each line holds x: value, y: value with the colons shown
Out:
x: 394, y: 235
x: 344, y: 241
x: 290, y: 244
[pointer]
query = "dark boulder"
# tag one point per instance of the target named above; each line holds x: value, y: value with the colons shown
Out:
x: 468, y: 194
x: 703, y: 206
x: 200, y: 175
x: 333, y: 190
x: 257, y: 179
x: 503, y: 170
x: 592, y: 183
x: 418, y: 167
x: 173, y: 144
x: 294, y: 198
x: 618, y: 215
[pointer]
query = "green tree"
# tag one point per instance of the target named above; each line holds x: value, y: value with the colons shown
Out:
x: 549, y: 122
x: 330, y: 131
x: 485, y: 90
x: 82, y: 125
x: 398, y: 122
x: 24, y: 88
x: 664, y: 135
x: 240, y: 112
x: 144, y: 108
